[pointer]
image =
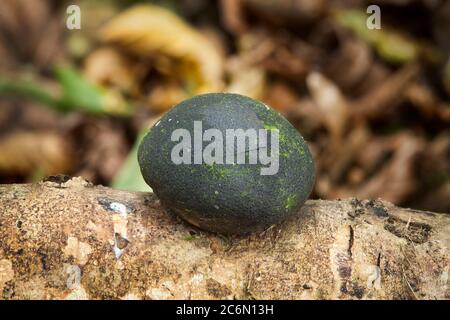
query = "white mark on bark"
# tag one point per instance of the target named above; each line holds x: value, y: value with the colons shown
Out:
x: 444, y: 276
x: 374, y: 277
x: 91, y: 226
x: 119, y: 208
x: 79, y: 250
x: 74, y: 278
x: 77, y: 294
x: 74, y: 283
x: 6, y: 272
x: 120, y: 222
x: 131, y: 296
x: 117, y: 251
x: 158, y: 294
x: 197, y: 279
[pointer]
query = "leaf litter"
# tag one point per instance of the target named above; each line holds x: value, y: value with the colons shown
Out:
x: 374, y: 106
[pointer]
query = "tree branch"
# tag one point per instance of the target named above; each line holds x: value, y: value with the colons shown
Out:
x: 69, y: 239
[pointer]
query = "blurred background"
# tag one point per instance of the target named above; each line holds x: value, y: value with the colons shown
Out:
x: 374, y: 105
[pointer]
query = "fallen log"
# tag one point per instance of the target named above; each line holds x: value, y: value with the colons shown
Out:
x: 68, y: 239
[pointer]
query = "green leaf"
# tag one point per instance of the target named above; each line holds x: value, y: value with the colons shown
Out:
x: 28, y: 89
x: 79, y: 94
x: 129, y: 176
x: 389, y: 44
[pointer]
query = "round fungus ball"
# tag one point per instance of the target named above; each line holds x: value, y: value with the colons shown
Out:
x: 227, y: 163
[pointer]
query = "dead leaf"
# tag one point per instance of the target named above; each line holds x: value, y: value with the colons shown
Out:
x: 350, y: 64
x: 246, y: 79
x: 105, y: 148
x: 387, y: 95
x: 427, y: 103
x: 330, y: 101
x: 283, y: 98
x: 343, y: 157
x: 148, y: 30
x: 165, y: 95
x: 233, y: 15
x: 287, y: 12
x: 108, y: 67
x: 437, y: 200
x: 446, y: 79
x: 435, y: 163
x: 395, y: 181
x: 18, y: 21
x: 278, y: 53
x: 25, y: 152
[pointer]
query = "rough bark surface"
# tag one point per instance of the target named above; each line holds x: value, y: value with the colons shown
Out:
x: 72, y: 240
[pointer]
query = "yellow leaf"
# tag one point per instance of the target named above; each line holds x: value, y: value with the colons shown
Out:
x: 149, y: 30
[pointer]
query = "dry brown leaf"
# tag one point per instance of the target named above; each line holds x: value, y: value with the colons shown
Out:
x: 375, y: 152
x: 165, y: 95
x: 281, y: 13
x: 437, y: 200
x: 233, y: 15
x: 278, y: 53
x: 341, y: 160
x: 350, y: 65
x: 26, y: 152
x: 395, y: 181
x: 107, y: 66
x: 148, y: 30
x: 245, y: 79
x: 22, y: 27
x: 427, y: 103
x: 338, y: 161
x: 434, y: 167
x: 286, y: 63
x: 287, y: 12
x: 105, y: 148
x: 282, y: 98
x: 305, y: 116
x: 331, y: 103
x: 255, y: 47
x: 387, y: 95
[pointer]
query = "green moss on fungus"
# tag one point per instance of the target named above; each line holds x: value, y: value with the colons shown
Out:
x: 227, y: 198
x: 290, y: 201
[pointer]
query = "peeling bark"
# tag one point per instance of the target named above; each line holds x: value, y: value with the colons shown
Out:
x: 71, y: 240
